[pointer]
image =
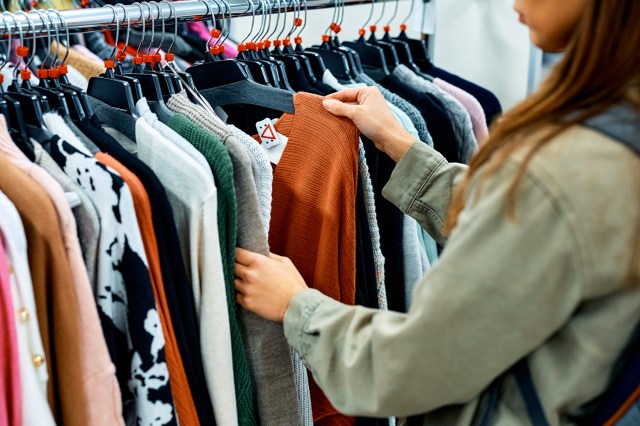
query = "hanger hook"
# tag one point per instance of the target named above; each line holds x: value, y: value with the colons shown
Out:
x: 172, y: 13
x: 19, y: 28
x: 153, y: 26
x: 293, y: 22
x: 128, y: 19
x: 8, y: 33
x: 144, y: 24
x: 253, y: 19
x: 334, y: 18
x: 405, y: 20
x: 275, y: 27
x: 162, y: 19
x: 57, y: 35
x: 31, y: 28
x: 373, y: 5
x: 46, y: 27
x: 304, y: 20
x: 268, y: 11
x: 213, y: 24
x: 227, y: 24
x: 63, y: 22
x: 209, y: 12
x: 117, y: 38
x: 384, y: 5
x: 263, y: 21
x: 284, y: 19
x: 395, y: 12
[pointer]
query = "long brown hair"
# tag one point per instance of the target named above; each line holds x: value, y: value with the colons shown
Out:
x: 601, y: 67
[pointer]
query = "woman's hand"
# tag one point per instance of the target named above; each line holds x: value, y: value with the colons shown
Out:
x: 265, y: 285
x: 369, y: 111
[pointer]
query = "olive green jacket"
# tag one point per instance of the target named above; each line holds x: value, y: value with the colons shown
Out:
x: 548, y: 285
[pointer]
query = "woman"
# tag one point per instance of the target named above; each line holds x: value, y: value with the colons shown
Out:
x: 542, y: 247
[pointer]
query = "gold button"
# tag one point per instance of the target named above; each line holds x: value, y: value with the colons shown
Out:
x: 11, y: 270
x: 23, y: 314
x: 37, y: 360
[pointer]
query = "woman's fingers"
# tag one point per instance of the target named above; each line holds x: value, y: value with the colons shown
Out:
x: 245, y: 257
x: 348, y: 95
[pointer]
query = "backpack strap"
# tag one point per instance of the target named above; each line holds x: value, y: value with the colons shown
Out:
x: 529, y: 395
x: 621, y: 123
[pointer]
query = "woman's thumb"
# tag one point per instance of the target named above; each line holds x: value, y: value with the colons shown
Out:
x: 338, y: 108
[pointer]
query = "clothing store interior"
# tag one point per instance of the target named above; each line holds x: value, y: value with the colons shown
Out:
x: 319, y: 212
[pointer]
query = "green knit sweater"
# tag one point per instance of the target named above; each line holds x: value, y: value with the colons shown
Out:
x: 218, y: 158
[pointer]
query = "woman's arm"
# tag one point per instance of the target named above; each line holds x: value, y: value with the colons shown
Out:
x: 501, y: 288
x: 423, y: 181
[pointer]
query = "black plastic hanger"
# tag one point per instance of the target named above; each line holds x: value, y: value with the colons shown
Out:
x: 390, y: 54
x: 278, y: 68
x: 166, y: 83
x: 55, y: 99
x: 74, y: 103
x: 12, y: 110
x: 402, y: 47
x: 315, y: 60
x: 214, y: 73
x: 76, y: 96
x: 113, y: 92
x: 419, y: 49
x: 371, y: 56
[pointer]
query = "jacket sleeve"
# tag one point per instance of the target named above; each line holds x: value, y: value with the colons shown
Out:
x: 502, y: 287
x: 422, y: 185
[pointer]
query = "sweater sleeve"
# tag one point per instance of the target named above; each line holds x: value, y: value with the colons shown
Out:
x: 422, y: 186
x: 490, y: 300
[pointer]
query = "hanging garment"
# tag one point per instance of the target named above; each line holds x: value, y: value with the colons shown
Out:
x: 262, y: 173
x: 182, y: 398
x: 372, y: 220
x: 56, y: 303
x: 33, y: 378
x: 390, y: 222
x: 489, y: 101
x: 177, y: 286
x: 95, y: 368
x: 473, y: 107
x: 193, y: 198
x: 11, y: 387
x: 413, y: 258
x: 433, y: 111
x: 134, y: 335
x: 462, y: 127
x: 222, y: 169
x: 412, y: 112
x: 313, y: 223
x: 267, y: 350
x: 86, y: 215
x: 366, y: 286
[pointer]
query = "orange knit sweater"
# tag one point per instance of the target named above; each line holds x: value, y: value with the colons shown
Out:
x: 313, y: 217
x: 182, y: 399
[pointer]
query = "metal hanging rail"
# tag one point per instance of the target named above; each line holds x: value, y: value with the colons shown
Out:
x: 105, y: 17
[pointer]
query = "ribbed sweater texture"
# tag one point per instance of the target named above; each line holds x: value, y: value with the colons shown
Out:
x: 313, y: 218
x: 222, y: 169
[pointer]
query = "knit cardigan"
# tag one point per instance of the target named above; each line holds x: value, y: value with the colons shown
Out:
x: 313, y: 218
x: 222, y: 169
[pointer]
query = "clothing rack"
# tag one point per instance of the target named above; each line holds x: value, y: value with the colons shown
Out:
x: 108, y: 17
